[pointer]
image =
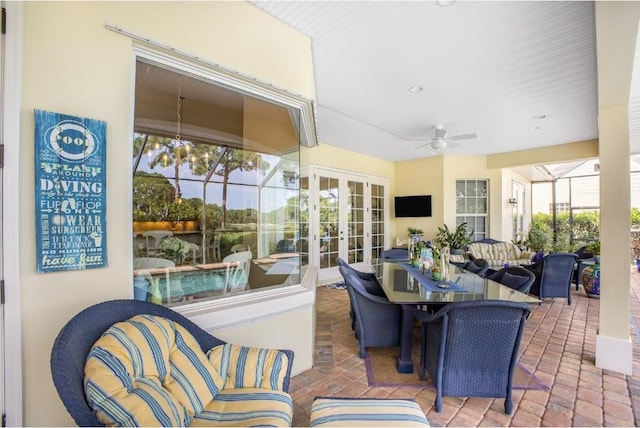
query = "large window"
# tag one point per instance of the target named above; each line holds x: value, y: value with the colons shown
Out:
x: 472, y: 206
x: 216, y: 188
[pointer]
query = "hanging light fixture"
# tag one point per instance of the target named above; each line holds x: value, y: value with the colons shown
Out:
x: 177, y: 145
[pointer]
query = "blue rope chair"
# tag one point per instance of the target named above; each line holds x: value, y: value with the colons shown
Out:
x: 369, y: 281
x: 470, y: 348
x: 553, y: 275
x: 377, y: 320
x: 516, y: 277
x: 73, y: 343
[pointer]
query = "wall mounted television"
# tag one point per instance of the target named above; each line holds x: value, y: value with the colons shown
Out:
x: 413, y: 206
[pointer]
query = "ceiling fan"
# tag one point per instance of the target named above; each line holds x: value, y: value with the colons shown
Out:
x: 440, y: 138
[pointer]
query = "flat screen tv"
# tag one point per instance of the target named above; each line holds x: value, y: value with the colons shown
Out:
x: 413, y: 206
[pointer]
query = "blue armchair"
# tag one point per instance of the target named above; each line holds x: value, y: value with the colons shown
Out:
x: 514, y: 277
x: 553, y: 275
x: 470, y: 348
x: 369, y: 281
x: 74, y: 343
x: 377, y: 320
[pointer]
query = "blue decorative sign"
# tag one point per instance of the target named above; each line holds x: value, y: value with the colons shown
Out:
x: 70, y: 173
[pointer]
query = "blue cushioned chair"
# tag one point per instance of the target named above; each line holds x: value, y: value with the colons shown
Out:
x: 377, y: 320
x: 553, y: 275
x: 516, y: 277
x: 76, y: 338
x: 369, y: 281
x: 470, y: 348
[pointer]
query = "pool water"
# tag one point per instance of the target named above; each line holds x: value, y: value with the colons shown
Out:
x: 194, y: 285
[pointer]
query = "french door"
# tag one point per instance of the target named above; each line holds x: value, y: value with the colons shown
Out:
x: 350, y: 219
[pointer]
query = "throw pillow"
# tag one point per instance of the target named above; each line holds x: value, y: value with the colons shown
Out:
x: 149, y: 371
x: 248, y: 367
x: 513, y: 281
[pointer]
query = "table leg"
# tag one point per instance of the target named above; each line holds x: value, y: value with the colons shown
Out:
x: 405, y: 363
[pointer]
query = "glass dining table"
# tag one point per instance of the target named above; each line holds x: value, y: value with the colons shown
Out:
x: 411, y: 288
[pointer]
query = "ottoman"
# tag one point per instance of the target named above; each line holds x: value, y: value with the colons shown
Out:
x: 370, y: 412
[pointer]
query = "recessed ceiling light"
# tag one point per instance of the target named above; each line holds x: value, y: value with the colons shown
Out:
x: 415, y: 89
x: 445, y: 3
x: 540, y: 116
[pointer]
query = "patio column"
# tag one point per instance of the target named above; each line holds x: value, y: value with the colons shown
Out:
x: 616, y: 34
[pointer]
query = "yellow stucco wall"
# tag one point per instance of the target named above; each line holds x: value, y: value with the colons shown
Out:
x: 421, y: 177
x: 72, y: 64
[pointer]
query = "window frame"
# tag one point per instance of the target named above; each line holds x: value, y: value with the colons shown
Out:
x: 223, y: 312
x: 462, y: 217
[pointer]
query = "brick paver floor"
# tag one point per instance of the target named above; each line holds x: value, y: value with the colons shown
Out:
x: 558, y: 346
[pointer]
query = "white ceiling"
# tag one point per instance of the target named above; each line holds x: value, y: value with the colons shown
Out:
x: 485, y: 67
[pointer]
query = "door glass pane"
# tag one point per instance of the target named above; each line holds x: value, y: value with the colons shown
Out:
x: 356, y: 221
x: 329, y: 221
x: 302, y: 244
x: 377, y: 221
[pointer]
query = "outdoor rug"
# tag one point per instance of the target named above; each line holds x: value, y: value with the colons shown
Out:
x: 381, y: 371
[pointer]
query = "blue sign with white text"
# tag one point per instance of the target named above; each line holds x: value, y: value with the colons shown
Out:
x: 70, y: 178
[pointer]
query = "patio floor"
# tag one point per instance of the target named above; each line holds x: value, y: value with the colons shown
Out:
x: 558, y: 345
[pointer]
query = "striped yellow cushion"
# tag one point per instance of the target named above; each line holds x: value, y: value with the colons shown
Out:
x: 480, y: 250
x: 247, y: 407
x: 246, y: 367
x: 149, y: 370
x: 343, y: 412
x: 457, y: 258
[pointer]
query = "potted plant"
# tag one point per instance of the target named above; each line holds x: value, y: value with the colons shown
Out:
x: 173, y: 248
x: 185, y: 214
x: 436, y: 271
x: 456, y: 240
x: 413, y: 231
x: 594, y: 248
x: 415, y: 254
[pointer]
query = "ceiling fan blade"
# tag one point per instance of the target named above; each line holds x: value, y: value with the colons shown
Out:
x: 464, y: 137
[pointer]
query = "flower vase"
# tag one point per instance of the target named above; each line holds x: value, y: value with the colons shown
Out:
x: 140, y: 288
x: 638, y: 264
x: 155, y: 294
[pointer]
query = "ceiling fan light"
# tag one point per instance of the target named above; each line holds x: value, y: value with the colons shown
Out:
x: 438, y: 144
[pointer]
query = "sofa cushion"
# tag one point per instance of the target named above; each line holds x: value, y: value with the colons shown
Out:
x: 480, y: 250
x: 366, y: 412
x: 500, y: 253
x: 149, y: 370
x: 245, y: 367
x: 247, y: 407
x: 505, y: 251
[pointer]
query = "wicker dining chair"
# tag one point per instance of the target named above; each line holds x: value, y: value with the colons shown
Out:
x: 369, y: 281
x: 377, y: 320
x: 470, y: 348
